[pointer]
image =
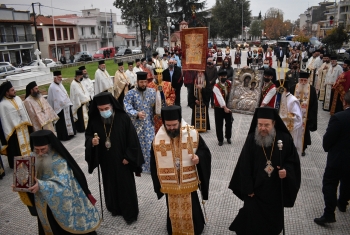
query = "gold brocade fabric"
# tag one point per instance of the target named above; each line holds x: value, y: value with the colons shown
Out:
x: 302, y: 93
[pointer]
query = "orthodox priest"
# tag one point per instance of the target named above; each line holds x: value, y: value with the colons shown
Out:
x: 137, y: 67
x: 179, y: 153
x: 89, y: 85
x: 15, y: 124
x: 199, y: 98
x: 341, y: 86
x: 39, y: 110
x: 333, y: 73
x: 306, y: 94
x: 131, y: 75
x: 165, y: 96
x: 103, y: 82
x: 139, y: 105
x: 117, y: 150
x: 260, y: 170
x: 59, y: 100
x: 59, y: 182
x: 322, y: 71
x: 80, y: 98
x: 121, y: 83
x: 290, y: 113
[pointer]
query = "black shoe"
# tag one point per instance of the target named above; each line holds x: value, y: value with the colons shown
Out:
x: 341, y: 207
x: 229, y: 141
x: 221, y: 143
x: 115, y: 213
x: 303, y: 154
x: 323, y: 220
x: 130, y: 221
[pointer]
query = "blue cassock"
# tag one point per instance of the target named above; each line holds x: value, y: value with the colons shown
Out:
x: 136, y: 101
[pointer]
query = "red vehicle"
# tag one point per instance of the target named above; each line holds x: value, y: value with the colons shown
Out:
x: 104, y: 52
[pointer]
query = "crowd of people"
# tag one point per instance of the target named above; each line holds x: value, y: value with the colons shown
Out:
x: 133, y: 124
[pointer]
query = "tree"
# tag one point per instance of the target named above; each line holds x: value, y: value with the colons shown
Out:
x: 230, y: 25
x: 136, y: 11
x: 180, y: 7
x: 255, y: 28
x: 273, y: 23
x: 335, y: 38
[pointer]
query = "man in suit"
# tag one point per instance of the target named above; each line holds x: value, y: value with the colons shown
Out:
x: 336, y: 143
x: 280, y: 57
x: 265, y: 66
x: 173, y: 74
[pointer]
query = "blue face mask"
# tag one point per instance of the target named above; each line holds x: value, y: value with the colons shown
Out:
x: 106, y: 114
x: 266, y: 66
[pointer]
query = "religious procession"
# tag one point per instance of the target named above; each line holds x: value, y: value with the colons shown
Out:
x: 257, y: 144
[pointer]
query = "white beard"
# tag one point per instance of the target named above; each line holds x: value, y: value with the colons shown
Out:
x: 265, y: 141
x: 43, y: 163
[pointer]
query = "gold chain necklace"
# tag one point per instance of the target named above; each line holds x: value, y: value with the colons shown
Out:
x: 108, y: 143
x: 269, y: 168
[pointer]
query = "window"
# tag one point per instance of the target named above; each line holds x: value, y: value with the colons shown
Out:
x: 65, y: 33
x: 133, y: 43
x: 39, y: 35
x: 84, y: 47
x: 58, y: 34
x: 52, y: 34
x: 128, y: 43
x: 71, y: 33
x: 92, y: 30
x: 53, y: 52
x: 82, y: 30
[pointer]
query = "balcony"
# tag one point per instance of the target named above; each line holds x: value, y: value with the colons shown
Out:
x: 344, y: 3
x: 89, y: 37
x: 10, y: 38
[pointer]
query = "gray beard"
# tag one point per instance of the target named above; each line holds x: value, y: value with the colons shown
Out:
x: 86, y: 76
x: 43, y: 163
x: 265, y: 141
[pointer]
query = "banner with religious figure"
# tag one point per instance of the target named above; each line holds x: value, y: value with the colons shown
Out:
x: 246, y: 90
x: 194, y: 45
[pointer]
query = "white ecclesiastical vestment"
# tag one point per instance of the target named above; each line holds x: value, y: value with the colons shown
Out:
x: 89, y: 85
x: 290, y: 113
x: 59, y: 100
x: 331, y: 77
x: 80, y: 98
x: 164, y: 64
x: 137, y: 69
x: 132, y: 77
x: 322, y: 71
x: 103, y: 82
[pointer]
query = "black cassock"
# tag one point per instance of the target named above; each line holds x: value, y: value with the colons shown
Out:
x: 79, y: 124
x: 61, y: 126
x: 118, y: 179
x: 206, y: 95
x: 262, y: 214
x: 311, y: 123
x: 204, y: 171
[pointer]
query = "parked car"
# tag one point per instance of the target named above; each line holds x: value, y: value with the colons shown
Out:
x: 99, y: 54
x: 284, y: 44
x: 5, y: 63
x: 136, y: 50
x: 124, y: 51
x: 6, y: 70
x: 242, y: 44
x: 48, y: 62
x: 82, y: 56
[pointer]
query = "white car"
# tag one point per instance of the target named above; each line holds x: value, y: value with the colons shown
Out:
x: 137, y: 50
x: 49, y: 63
x: 7, y: 70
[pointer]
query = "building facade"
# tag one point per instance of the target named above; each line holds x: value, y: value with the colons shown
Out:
x: 16, y: 37
x: 56, y: 38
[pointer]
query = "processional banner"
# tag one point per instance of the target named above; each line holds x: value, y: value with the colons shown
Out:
x: 194, y: 45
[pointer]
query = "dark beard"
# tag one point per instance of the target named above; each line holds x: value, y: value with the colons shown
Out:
x: 265, y: 141
x: 141, y: 89
x: 173, y: 133
x: 36, y: 94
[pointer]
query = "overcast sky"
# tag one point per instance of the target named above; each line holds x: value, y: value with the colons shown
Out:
x: 291, y: 8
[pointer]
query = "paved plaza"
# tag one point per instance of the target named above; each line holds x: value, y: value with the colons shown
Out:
x: 222, y: 206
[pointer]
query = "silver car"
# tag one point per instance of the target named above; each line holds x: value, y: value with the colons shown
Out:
x: 6, y: 70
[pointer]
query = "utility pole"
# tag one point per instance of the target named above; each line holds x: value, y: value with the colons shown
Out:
x: 35, y: 26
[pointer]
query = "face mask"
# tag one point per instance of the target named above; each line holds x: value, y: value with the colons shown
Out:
x: 266, y: 80
x: 226, y: 63
x: 266, y: 66
x: 106, y: 114
x: 171, y: 66
x: 345, y: 69
x: 223, y: 80
x: 295, y: 66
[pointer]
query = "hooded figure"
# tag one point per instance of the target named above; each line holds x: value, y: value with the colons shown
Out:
x: 257, y: 177
x: 117, y: 151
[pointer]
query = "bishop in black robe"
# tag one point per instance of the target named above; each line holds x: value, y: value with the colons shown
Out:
x: 118, y: 179
x: 262, y: 214
x: 204, y: 171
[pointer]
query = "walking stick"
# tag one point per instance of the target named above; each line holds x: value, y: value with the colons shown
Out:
x: 280, y: 145
x: 99, y: 177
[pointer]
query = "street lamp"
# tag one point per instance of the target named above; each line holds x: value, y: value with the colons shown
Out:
x: 242, y: 1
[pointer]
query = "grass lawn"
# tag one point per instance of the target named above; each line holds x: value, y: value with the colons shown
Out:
x: 69, y: 73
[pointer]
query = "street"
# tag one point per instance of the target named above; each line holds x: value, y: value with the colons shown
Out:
x: 222, y: 206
